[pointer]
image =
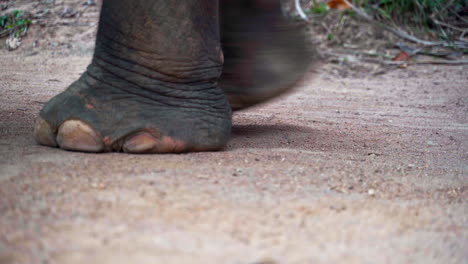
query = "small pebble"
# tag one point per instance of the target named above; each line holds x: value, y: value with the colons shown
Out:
x: 97, y: 185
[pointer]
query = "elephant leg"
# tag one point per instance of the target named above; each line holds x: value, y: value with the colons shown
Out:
x: 264, y: 53
x: 151, y: 86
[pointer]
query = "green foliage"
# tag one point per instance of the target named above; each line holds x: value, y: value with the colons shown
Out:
x: 318, y: 8
x: 14, y: 23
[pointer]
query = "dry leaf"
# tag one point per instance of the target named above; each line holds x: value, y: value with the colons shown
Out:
x: 402, y: 56
x: 338, y: 4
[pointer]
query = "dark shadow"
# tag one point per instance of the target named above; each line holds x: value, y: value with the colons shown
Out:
x: 18, y: 125
x: 291, y: 137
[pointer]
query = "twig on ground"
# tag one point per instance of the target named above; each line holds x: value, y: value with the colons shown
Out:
x: 388, y: 62
x: 461, y: 18
x: 442, y: 62
x: 10, y: 31
x: 445, y: 55
x: 76, y: 24
x: 462, y: 36
x: 446, y: 6
x: 448, y: 25
x: 409, y: 50
x: 367, y: 53
x: 4, y: 33
x: 450, y: 55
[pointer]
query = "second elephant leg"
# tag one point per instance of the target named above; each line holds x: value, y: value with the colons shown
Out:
x: 265, y: 54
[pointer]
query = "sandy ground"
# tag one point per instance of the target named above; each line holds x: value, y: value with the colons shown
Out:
x: 364, y: 169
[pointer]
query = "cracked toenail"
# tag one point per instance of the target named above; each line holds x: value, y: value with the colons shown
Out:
x: 140, y: 143
x: 77, y: 135
x: 43, y: 134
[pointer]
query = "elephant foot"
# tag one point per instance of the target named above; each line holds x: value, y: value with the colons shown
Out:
x: 93, y: 115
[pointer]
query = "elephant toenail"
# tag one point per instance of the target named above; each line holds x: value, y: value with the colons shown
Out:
x: 79, y: 136
x: 140, y: 143
x: 43, y: 134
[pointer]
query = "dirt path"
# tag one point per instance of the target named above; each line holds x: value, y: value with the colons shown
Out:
x: 345, y: 170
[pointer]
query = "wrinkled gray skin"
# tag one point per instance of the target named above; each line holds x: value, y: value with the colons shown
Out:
x: 159, y: 83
